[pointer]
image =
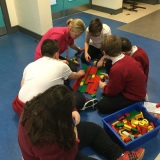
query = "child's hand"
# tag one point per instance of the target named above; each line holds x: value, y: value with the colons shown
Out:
x: 87, y: 57
x: 105, y: 75
x: 76, y: 117
x: 99, y: 64
x: 102, y: 84
x: 81, y: 72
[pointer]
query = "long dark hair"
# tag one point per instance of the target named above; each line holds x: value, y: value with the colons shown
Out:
x: 48, y: 117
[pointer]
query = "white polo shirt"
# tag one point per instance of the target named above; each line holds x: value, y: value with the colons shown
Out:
x: 40, y: 75
x: 96, y: 41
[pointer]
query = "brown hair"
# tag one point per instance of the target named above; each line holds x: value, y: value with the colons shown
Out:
x: 95, y: 26
x: 126, y: 44
x: 111, y: 45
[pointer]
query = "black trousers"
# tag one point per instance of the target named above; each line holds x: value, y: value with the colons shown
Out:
x: 91, y: 134
x: 96, y: 53
x: 80, y: 99
x: 110, y: 104
x: 71, y: 65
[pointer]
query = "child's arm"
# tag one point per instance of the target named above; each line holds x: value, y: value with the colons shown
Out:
x: 76, y: 75
x: 86, y: 46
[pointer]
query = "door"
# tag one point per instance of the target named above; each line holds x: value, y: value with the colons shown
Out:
x: 3, y: 30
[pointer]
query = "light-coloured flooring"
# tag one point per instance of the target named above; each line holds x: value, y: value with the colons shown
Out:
x: 128, y: 16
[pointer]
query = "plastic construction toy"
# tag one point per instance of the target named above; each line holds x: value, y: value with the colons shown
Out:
x: 89, y: 82
x: 75, y: 61
x: 132, y: 125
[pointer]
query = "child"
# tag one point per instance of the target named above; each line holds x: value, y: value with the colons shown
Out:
x: 95, y: 34
x: 127, y: 81
x: 46, y: 131
x: 137, y: 53
x: 43, y: 73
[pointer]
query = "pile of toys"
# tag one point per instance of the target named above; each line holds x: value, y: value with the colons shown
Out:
x: 132, y: 125
x: 89, y: 82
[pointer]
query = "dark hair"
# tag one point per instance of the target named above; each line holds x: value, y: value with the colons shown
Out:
x: 49, y: 47
x: 95, y: 26
x: 126, y: 44
x: 111, y: 45
x: 48, y: 117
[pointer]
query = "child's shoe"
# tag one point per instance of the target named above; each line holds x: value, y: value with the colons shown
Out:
x: 133, y: 155
x: 90, y: 104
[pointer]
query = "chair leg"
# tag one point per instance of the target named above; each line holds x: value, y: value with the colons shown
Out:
x: 134, y: 6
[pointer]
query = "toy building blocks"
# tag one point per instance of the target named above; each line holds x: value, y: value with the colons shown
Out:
x: 138, y: 135
x: 89, y: 82
x: 132, y: 114
x: 95, y: 62
x: 75, y: 61
x: 135, y: 125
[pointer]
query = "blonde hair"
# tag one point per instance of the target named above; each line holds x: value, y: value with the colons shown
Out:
x: 77, y: 25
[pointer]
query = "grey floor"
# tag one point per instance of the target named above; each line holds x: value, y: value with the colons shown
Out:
x: 147, y: 26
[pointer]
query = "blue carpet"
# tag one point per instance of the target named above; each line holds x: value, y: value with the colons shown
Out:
x: 17, y: 50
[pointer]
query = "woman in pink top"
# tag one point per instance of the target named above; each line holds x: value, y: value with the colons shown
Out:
x: 65, y: 37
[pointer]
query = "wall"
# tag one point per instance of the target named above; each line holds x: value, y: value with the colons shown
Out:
x: 108, y: 6
x: 1, y: 19
x: 12, y: 12
x: 149, y: 1
x: 112, y: 4
x: 66, y: 4
x: 32, y: 15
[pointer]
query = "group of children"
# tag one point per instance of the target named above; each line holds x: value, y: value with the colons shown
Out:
x: 50, y: 126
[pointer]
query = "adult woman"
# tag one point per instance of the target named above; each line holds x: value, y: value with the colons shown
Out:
x: 65, y: 37
x: 47, y: 130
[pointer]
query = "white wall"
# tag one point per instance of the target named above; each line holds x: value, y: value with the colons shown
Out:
x: 112, y: 4
x: 33, y: 15
x: 12, y: 12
